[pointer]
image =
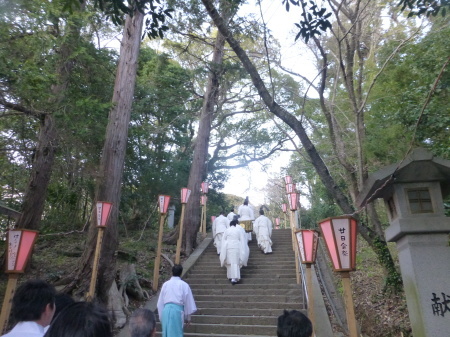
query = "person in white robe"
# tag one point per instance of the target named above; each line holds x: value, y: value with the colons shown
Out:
x: 234, y: 253
x: 231, y: 215
x: 262, y: 227
x: 219, y: 226
x: 175, y: 304
x: 246, y: 213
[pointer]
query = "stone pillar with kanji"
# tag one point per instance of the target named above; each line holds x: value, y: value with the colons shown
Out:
x: 414, y: 191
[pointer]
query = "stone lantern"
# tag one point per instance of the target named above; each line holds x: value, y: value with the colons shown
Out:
x: 413, y: 191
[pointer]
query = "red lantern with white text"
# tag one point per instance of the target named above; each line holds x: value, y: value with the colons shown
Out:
x: 20, y: 243
x: 290, y: 188
x: 204, y: 187
x: 340, y: 235
x: 277, y: 222
x: 185, y: 193
x: 288, y: 180
x: 284, y: 207
x: 203, y: 200
x: 293, y: 201
x: 307, y: 240
x: 163, y: 203
x: 103, y: 212
x: 213, y: 218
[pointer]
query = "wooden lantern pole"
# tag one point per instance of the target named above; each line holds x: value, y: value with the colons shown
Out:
x: 91, y: 292
x: 295, y: 246
x: 309, y: 285
x: 348, y: 299
x: 19, y: 243
x: 204, y: 217
x: 7, y: 301
x: 158, y: 253
x: 180, y: 236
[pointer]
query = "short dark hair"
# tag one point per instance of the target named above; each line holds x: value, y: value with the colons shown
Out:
x: 261, y: 211
x: 294, y: 324
x: 81, y: 319
x: 31, y: 299
x: 142, y: 323
x: 233, y: 222
x: 62, y: 300
x: 177, y: 270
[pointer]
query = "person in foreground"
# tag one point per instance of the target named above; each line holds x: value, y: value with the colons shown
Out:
x: 262, y: 227
x: 294, y: 324
x: 81, y: 319
x: 234, y: 253
x: 33, y: 307
x: 175, y: 304
x: 142, y: 323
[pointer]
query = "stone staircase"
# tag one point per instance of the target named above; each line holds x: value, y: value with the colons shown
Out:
x: 251, y: 307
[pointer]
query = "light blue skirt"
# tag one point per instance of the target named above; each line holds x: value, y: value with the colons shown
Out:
x: 172, y: 320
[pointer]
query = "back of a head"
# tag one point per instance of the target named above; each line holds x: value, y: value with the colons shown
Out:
x: 30, y: 300
x: 294, y: 324
x: 233, y: 223
x: 142, y: 323
x: 61, y: 301
x: 81, y: 319
x: 177, y: 270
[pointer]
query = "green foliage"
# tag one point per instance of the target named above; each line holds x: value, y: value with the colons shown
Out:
x: 424, y: 7
x: 394, y: 281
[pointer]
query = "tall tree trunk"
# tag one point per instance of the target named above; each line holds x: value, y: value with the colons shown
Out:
x: 377, y: 243
x: 199, y: 163
x: 111, y: 166
x: 44, y: 155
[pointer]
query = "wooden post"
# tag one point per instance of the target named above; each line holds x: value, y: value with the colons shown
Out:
x: 180, y: 236
x: 201, y: 219
x: 348, y: 299
x: 90, y: 295
x: 158, y: 253
x: 309, y: 286
x: 7, y: 301
x: 204, y: 218
x: 295, y: 247
x: 285, y: 225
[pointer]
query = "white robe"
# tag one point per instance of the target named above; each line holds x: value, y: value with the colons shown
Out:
x: 246, y: 213
x: 178, y: 292
x: 234, y: 253
x: 263, y: 230
x: 26, y: 329
x: 219, y: 226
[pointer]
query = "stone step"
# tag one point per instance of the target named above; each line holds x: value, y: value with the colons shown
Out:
x: 242, y: 292
x: 267, y: 287
x: 256, y: 281
x: 234, y: 319
x: 249, y: 305
x: 241, y: 311
x: 244, y: 274
x: 242, y: 298
x: 233, y: 329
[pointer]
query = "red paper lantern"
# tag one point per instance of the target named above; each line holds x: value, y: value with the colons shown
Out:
x: 284, y: 207
x: 20, y: 243
x: 103, y: 212
x: 288, y: 180
x: 204, y: 187
x: 289, y: 188
x: 213, y: 218
x: 277, y: 221
x: 203, y: 200
x: 185, y: 193
x: 307, y: 240
x: 163, y: 201
x: 340, y: 235
x: 293, y: 201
